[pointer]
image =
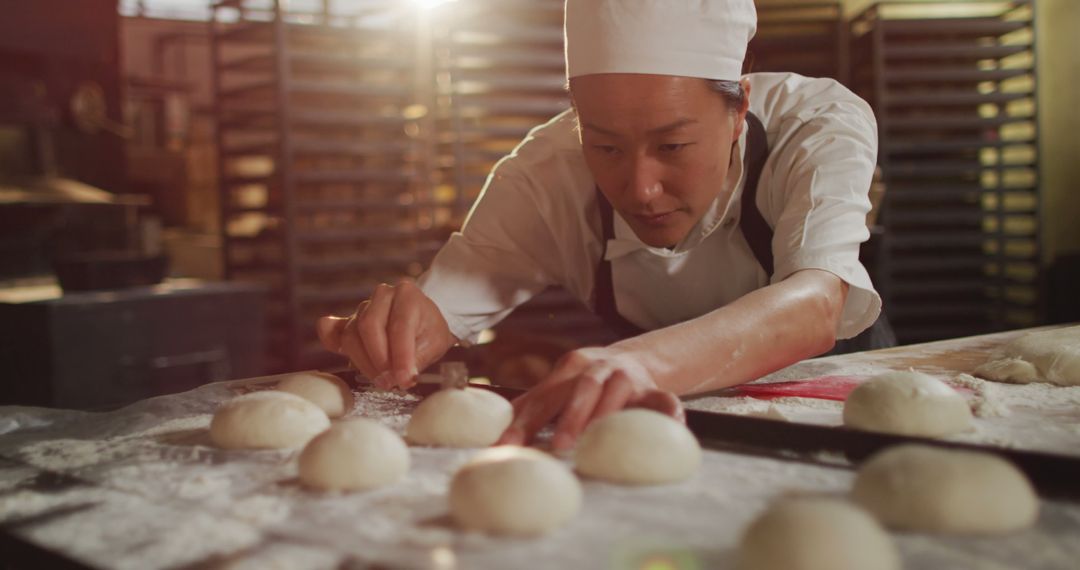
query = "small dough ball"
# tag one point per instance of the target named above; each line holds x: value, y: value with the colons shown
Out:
x: 327, y: 391
x: 638, y: 447
x: 354, y: 454
x: 473, y: 417
x: 1015, y: 370
x: 907, y: 403
x: 514, y: 491
x: 1045, y: 356
x: 922, y: 488
x: 816, y: 533
x: 266, y: 420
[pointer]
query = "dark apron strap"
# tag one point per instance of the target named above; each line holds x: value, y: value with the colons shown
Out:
x: 604, y: 290
x: 754, y: 229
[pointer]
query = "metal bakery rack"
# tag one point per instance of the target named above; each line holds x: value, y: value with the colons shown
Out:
x: 499, y: 73
x: 322, y: 180
x: 808, y: 39
x: 953, y: 85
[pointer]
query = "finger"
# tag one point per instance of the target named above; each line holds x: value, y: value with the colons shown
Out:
x: 563, y: 370
x: 533, y: 409
x: 661, y: 401
x: 384, y: 380
x: 587, y: 391
x: 371, y: 320
x: 432, y: 342
x: 512, y: 436
x: 402, y: 332
x: 519, y: 402
x: 353, y: 348
x: 329, y: 329
x: 570, y: 365
x: 539, y: 410
x: 426, y: 351
x: 617, y: 392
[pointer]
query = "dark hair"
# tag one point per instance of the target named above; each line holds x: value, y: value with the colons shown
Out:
x: 731, y: 91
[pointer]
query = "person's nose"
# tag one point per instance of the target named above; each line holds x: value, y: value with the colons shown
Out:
x: 645, y: 180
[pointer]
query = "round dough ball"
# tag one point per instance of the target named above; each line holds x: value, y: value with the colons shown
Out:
x: 354, y: 454
x: 327, y: 391
x: 515, y: 491
x: 638, y: 447
x: 923, y: 488
x: 266, y: 420
x: 816, y: 533
x: 472, y: 417
x: 907, y: 403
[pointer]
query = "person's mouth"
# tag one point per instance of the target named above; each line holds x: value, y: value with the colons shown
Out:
x: 659, y: 219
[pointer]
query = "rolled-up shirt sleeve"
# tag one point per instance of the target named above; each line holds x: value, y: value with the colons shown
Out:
x: 825, y: 169
x: 498, y: 259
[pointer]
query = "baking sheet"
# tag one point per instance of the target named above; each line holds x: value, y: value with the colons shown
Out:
x: 1035, y: 417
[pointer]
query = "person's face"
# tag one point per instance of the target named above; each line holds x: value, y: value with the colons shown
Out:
x: 658, y: 147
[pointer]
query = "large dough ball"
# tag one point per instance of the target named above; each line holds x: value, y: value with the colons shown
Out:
x: 472, y: 417
x: 815, y: 533
x: 327, y: 391
x: 923, y: 488
x: 266, y: 420
x: 1045, y: 356
x: 354, y: 454
x: 907, y: 403
x: 515, y: 491
x: 639, y: 447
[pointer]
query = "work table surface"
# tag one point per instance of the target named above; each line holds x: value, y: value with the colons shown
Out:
x: 142, y: 487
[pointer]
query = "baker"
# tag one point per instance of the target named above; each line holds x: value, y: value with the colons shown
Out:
x: 714, y: 219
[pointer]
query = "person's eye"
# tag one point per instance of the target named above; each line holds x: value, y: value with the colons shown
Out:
x: 606, y: 149
x: 673, y: 147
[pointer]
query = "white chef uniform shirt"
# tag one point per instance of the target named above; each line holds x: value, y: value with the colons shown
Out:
x: 537, y: 222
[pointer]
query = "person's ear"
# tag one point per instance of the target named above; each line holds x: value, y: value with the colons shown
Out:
x: 740, y: 114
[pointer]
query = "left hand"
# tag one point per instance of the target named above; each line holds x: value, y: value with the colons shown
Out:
x: 587, y: 384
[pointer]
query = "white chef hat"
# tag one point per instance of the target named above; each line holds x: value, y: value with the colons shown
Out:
x: 689, y: 38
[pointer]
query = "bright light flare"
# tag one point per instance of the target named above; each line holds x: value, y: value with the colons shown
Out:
x: 430, y: 4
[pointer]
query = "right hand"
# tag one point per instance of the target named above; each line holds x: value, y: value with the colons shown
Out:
x: 391, y: 336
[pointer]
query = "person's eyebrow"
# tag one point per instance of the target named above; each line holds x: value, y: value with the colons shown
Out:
x: 654, y: 131
x: 672, y: 126
x: 601, y: 130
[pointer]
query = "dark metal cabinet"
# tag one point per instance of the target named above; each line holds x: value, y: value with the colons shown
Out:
x: 106, y: 349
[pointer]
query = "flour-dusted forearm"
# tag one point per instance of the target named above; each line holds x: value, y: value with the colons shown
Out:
x: 761, y: 332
